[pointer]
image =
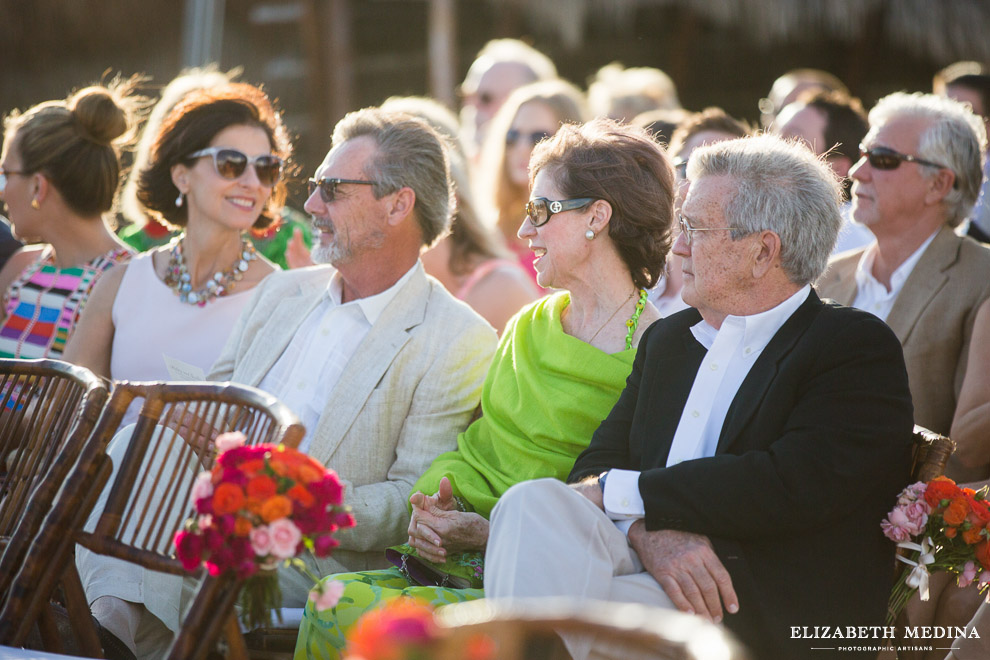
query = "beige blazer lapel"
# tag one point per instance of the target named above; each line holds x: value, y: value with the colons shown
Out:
x: 369, y: 363
x: 285, y: 317
x: 926, y: 280
x: 839, y: 282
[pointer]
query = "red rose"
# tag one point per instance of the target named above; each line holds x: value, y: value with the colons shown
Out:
x: 941, y: 488
x: 983, y: 554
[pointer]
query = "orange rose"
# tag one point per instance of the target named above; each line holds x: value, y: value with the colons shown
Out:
x: 253, y: 504
x: 253, y: 466
x: 956, y: 512
x: 261, y: 487
x: 950, y: 532
x: 227, y: 498
x: 290, y: 462
x: 941, y: 488
x: 301, y: 495
x: 972, y: 535
x: 276, y: 507
x: 242, y: 526
x: 983, y: 554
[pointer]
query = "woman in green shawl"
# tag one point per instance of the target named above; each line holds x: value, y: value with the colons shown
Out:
x: 598, y: 222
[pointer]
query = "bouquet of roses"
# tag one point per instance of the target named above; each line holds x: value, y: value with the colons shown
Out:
x: 259, y: 507
x: 404, y: 629
x: 945, y: 528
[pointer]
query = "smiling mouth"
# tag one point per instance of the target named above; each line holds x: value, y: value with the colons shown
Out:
x: 242, y: 203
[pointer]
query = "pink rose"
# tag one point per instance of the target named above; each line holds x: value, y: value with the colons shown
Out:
x: 967, y: 575
x: 202, y: 487
x: 227, y: 441
x: 285, y: 538
x: 325, y: 595
x: 893, y: 532
x: 261, y: 540
x: 917, y: 516
x: 984, y: 579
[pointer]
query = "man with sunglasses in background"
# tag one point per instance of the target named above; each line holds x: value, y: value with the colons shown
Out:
x: 918, y: 177
x: 383, y: 366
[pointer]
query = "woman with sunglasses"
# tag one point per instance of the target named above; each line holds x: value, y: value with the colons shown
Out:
x: 599, y: 220
x: 58, y: 177
x: 215, y: 171
x: 531, y: 113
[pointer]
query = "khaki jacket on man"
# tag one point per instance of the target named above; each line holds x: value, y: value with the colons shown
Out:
x: 403, y: 397
x: 932, y: 316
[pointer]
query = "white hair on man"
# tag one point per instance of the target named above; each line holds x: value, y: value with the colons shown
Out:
x: 781, y: 187
x: 955, y: 138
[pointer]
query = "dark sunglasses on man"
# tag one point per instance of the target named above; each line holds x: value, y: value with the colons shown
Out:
x: 882, y: 158
x: 328, y: 187
x: 231, y: 164
x: 513, y: 136
x: 541, y: 209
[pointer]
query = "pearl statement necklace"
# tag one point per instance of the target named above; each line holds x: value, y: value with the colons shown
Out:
x: 178, y: 279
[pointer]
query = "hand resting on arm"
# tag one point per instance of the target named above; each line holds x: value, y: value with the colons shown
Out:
x: 437, y: 528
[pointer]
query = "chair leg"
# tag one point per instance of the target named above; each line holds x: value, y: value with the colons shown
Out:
x: 236, y: 648
x: 79, y: 615
x: 50, y: 638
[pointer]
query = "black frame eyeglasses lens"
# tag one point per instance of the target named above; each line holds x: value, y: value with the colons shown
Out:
x: 882, y: 158
x: 231, y: 164
x: 513, y: 136
x: 328, y: 187
x: 541, y: 209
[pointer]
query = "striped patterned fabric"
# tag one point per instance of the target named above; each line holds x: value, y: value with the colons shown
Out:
x: 43, y: 304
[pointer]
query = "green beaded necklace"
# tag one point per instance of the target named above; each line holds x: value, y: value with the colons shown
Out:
x: 633, y: 321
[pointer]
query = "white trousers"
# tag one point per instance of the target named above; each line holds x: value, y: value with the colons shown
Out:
x: 548, y: 540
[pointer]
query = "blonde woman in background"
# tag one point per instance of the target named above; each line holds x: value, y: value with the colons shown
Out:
x: 531, y: 113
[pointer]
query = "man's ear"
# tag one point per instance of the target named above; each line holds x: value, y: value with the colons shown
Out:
x: 601, y: 214
x: 401, y: 205
x: 765, y: 253
x: 939, y: 186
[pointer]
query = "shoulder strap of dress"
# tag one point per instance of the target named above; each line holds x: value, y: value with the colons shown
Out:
x: 480, y: 273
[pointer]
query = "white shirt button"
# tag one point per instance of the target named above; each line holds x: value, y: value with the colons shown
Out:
x: 625, y: 501
x: 748, y: 350
x: 695, y: 413
x: 301, y: 385
x: 325, y: 331
x: 713, y: 366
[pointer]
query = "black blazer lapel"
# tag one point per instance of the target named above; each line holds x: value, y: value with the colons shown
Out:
x: 761, y: 376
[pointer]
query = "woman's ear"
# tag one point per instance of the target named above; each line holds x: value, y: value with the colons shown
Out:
x: 180, y: 177
x: 601, y: 214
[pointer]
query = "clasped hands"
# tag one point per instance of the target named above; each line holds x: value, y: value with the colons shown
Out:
x: 438, y: 529
x: 683, y: 563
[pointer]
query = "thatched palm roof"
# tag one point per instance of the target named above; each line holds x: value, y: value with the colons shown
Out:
x: 941, y: 30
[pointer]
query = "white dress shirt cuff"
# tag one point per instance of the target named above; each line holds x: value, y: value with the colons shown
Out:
x: 621, y: 497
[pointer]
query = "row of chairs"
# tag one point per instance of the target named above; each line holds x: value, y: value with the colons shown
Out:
x: 56, y: 422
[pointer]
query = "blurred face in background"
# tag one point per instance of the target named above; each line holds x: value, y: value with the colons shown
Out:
x: 533, y: 122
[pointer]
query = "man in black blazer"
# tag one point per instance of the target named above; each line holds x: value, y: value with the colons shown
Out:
x: 759, y: 441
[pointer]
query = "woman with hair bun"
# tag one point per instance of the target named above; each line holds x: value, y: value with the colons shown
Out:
x: 58, y: 176
x: 215, y: 170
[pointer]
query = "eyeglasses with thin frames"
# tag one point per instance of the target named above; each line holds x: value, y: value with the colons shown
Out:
x: 541, y: 209
x: 232, y: 163
x: 687, y: 230
x: 328, y: 187
x: 532, y: 139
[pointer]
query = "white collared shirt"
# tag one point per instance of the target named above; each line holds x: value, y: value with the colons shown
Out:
x: 871, y: 295
x: 309, y: 369
x: 732, y: 351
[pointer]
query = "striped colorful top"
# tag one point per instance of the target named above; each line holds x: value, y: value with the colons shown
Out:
x: 44, y: 303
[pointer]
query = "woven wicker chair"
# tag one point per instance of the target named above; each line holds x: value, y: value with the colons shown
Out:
x: 931, y: 454
x: 146, y: 505
x: 527, y: 629
x: 47, y: 410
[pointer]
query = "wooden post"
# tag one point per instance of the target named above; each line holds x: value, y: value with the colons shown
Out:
x: 340, y: 59
x: 441, y: 50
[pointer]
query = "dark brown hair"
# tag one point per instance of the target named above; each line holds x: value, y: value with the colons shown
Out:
x: 76, y: 143
x: 190, y: 126
x: 709, y: 119
x: 845, y: 121
x: 622, y: 165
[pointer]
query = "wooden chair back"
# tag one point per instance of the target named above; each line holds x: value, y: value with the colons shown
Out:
x: 526, y: 629
x: 930, y: 455
x: 147, y: 500
x: 47, y: 410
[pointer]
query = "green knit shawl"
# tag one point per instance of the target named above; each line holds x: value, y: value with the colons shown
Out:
x: 545, y: 394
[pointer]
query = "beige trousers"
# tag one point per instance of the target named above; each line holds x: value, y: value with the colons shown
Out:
x: 548, y: 540
x: 974, y: 648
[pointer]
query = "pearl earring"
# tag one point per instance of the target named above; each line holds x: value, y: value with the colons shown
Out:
x: 590, y: 235
x: 179, y: 200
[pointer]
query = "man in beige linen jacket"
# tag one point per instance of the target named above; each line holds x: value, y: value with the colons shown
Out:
x: 412, y: 383
x: 919, y: 181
